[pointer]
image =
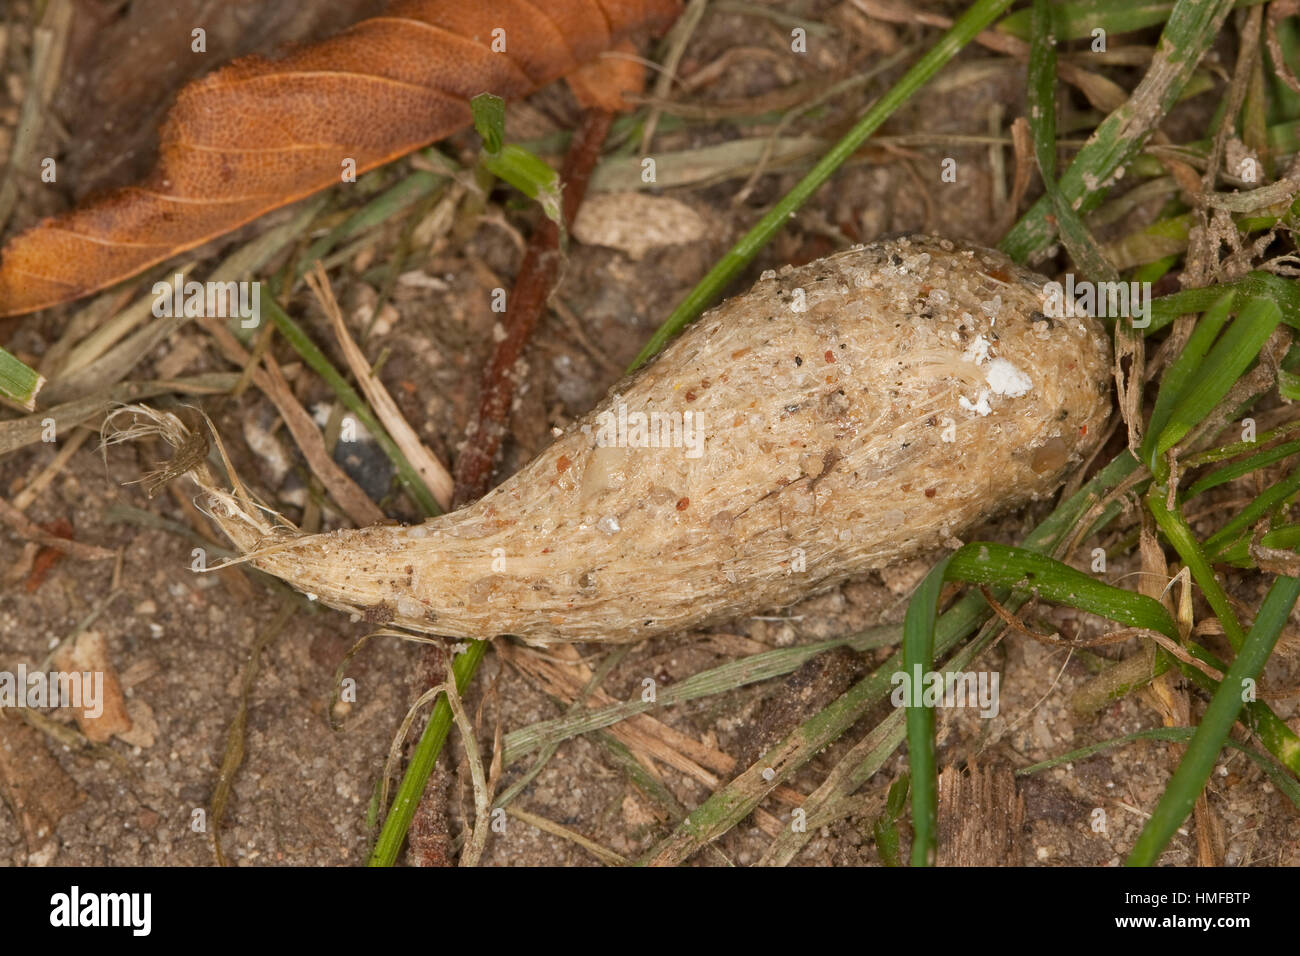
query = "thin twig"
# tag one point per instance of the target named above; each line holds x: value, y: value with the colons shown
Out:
x: 430, y: 469
x: 482, y: 798
x: 33, y: 532
x: 533, y: 286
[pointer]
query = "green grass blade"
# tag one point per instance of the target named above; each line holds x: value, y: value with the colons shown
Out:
x: 1279, y: 738
x: 732, y: 803
x: 1006, y: 567
x: 398, y: 821
x: 1192, y: 27
x: 976, y: 18
x: 885, y: 827
x: 1198, y: 762
x: 1076, y: 19
x: 19, y: 382
x: 1175, y: 528
x: 1284, y: 293
x: 1239, y: 469
x: 489, y: 112
x: 1285, y: 538
x: 1177, y: 734
x: 1233, y: 449
x: 1283, y: 781
x: 522, y: 169
x: 715, y: 680
x: 322, y: 366
x: 918, y: 658
x: 1288, y: 385
x: 1223, y: 366
x: 1272, y: 496
x: 1179, y: 376
x: 529, y: 174
x: 1042, y: 126
x: 383, y: 207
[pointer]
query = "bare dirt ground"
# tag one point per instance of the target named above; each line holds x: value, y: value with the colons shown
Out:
x: 180, y: 640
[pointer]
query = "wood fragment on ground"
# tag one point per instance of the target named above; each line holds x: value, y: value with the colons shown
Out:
x: 981, y: 816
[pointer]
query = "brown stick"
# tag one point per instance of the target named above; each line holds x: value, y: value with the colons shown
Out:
x: 537, y: 275
x: 28, y: 529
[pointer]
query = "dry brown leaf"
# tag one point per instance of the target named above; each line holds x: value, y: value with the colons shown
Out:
x: 89, y: 655
x: 600, y: 84
x: 259, y: 134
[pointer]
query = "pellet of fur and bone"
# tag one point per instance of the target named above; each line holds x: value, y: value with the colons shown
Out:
x: 837, y: 418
